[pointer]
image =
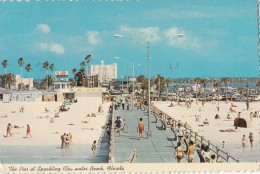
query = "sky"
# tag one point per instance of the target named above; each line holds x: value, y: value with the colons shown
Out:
x: 220, y: 37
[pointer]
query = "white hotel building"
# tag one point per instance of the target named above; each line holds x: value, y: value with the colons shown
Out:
x: 105, y: 72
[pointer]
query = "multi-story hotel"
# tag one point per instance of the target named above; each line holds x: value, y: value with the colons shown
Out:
x: 105, y: 72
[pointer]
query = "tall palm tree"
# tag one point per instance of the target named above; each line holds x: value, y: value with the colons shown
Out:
x: 225, y: 80
x: 20, y: 63
x: 5, y: 63
x: 216, y: 86
x: 74, y: 71
x: 82, y: 64
x: 87, y: 59
x: 204, y: 82
x: 51, y: 67
x: 159, y: 82
x: 45, y: 65
x: 176, y: 85
x: 28, y: 69
x: 167, y: 81
x: 197, y: 80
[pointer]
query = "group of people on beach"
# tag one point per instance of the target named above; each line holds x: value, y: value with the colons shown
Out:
x: 9, y: 130
x: 66, y: 140
x: 244, y: 140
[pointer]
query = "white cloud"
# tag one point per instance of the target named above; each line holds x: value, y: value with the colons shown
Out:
x: 144, y: 34
x: 51, y: 47
x: 57, y: 48
x: 43, y: 28
x: 93, y: 38
x: 188, y: 42
x: 170, y: 35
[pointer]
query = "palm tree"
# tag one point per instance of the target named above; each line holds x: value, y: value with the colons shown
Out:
x: 167, y: 81
x: 88, y: 58
x: 5, y: 63
x: 20, y: 63
x: 72, y: 81
x: 204, y: 82
x: 9, y: 79
x: 197, y: 80
x: 74, y: 71
x: 225, y: 80
x: 144, y: 83
x: 176, y: 85
x: 216, y: 86
x: 159, y: 82
x: 45, y: 65
x: 51, y: 67
x: 28, y: 69
x: 47, y: 81
x: 83, y: 64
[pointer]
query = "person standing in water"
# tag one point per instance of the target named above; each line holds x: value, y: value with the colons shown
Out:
x: 94, y: 147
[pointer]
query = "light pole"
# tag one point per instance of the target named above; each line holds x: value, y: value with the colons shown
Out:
x: 149, y: 133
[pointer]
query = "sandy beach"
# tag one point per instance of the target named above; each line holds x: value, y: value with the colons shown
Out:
x: 213, y: 132
x: 84, y: 129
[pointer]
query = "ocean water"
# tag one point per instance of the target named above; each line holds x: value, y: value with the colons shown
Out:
x: 52, y: 154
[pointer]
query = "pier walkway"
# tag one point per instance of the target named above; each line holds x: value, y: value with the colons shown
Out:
x: 155, y: 149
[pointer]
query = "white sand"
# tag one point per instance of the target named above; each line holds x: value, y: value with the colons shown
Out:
x: 45, y: 133
x: 232, y: 139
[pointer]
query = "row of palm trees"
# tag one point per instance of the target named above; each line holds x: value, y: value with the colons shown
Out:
x: 161, y: 82
x: 216, y: 85
x: 8, y: 79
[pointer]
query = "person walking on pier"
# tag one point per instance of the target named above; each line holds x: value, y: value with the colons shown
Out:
x: 141, y: 128
x: 190, y: 152
x: 118, y: 124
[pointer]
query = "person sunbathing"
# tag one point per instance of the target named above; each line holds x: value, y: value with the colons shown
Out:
x: 228, y: 117
x: 232, y: 110
x: 206, y: 122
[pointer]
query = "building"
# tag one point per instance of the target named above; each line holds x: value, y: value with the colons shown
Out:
x: 27, y: 82
x: 62, y: 88
x: 105, y: 72
x: 61, y: 81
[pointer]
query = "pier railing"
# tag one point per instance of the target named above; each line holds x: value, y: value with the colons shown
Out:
x: 111, y: 156
x: 194, y: 136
